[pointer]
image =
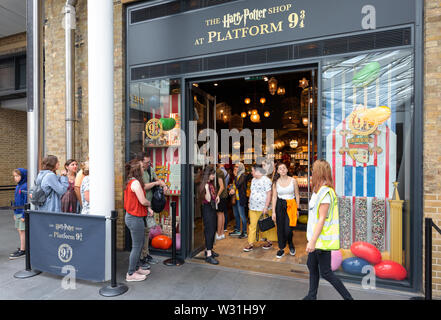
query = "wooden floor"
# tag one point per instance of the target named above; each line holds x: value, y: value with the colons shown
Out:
x: 231, y: 254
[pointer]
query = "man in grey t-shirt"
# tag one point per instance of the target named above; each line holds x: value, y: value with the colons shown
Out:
x: 150, y: 181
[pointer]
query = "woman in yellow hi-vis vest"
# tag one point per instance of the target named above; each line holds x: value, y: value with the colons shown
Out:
x: 323, y: 231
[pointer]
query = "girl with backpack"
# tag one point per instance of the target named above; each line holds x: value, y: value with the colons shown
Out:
x: 53, y: 186
x: 69, y: 202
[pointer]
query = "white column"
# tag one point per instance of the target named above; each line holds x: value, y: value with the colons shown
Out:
x: 100, y: 67
x: 33, y: 10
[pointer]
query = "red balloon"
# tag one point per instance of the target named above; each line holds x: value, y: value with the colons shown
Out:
x: 161, y: 242
x: 390, y: 270
x: 366, y: 251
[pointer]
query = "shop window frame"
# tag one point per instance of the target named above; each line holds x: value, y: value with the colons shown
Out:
x: 417, y: 45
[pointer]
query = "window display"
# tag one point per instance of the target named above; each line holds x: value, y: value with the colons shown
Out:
x: 367, y: 128
x: 155, y: 128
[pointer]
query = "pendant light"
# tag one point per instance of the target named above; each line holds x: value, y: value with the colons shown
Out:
x: 272, y: 85
x: 293, y: 144
x: 281, y: 91
x: 255, y: 118
x: 303, y: 83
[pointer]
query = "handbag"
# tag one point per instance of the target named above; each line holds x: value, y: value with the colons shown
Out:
x: 69, y: 200
x: 265, y: 223
x: 213, y: 204
x: 150, y: 222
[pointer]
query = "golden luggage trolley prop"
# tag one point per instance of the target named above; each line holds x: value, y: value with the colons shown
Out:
x: 396, y: 225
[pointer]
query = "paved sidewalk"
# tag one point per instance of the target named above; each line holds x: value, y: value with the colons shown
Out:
x: 191, y: 281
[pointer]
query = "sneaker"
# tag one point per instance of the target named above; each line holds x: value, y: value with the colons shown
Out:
x: 267, y: 245
x: 243, y: 235
x: 145, y: 266
x: 18, y: 254
x: 143, y: 272
x: 309, y: 298
x: 135, y: 277
x: 15, y: 252
x: 292, y: 251
x: 220, y: 237
x: 235, y: 233
x: 151, y: 260
x: 211, y: 260
x: 280, y: 254
x: 248, y: 248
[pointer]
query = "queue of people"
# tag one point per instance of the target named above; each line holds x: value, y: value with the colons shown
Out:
x: 67, y: 192
x: 272, y: 192
x: 59, y: 193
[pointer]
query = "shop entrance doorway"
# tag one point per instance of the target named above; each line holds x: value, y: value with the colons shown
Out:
x: 283, y: 107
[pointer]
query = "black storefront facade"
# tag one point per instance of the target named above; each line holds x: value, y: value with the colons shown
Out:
x: 366, y: 58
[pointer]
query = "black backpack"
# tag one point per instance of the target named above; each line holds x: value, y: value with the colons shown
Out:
x: 158, y: 200
x: 36, y: 194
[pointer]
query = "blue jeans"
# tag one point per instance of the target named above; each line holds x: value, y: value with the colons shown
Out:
x: 239, y: 214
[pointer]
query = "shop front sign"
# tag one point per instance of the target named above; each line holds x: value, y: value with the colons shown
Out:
x: 258, y: 23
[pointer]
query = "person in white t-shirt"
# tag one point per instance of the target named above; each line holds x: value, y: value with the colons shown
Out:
x: 260, y: 199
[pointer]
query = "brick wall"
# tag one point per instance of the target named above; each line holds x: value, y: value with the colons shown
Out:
x: 54, y: 114
x: 432, y: 130
x: 13, y: 139
x: 119, y: 23
x: 13, y: 142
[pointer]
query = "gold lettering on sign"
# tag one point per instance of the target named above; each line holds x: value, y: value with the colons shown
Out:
x: 137, y: 100
x: 216, y: 36
x: 236, y: 24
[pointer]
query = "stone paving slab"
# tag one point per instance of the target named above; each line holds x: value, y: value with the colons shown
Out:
x: 191, y: 281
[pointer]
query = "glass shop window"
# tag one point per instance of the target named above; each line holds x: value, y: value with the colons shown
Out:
x: 155, y: 122
x: 367, y: 111
x: 7, y: 75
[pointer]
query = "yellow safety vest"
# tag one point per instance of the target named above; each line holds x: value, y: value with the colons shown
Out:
x: 329, y: 238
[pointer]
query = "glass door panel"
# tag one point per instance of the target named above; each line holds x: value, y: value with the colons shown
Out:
x: 204, y: 154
